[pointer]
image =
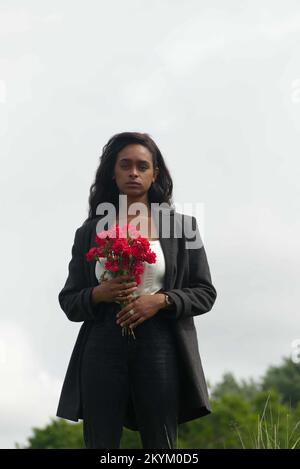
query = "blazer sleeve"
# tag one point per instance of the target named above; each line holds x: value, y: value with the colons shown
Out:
x: 200, y: 295
x: 75, y: 297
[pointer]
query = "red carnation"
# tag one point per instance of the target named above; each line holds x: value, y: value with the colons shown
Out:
x: 125, y: 251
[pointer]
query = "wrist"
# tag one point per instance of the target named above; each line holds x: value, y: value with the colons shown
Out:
x: 160, y: 300
x: 96, y: 295
x: 164, y: 300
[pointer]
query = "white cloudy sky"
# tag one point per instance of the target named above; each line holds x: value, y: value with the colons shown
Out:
x: 217, y: 85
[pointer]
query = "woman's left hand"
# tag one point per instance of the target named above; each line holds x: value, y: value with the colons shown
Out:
x: 144, y: 307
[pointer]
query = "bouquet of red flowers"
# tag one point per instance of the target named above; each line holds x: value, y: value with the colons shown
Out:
x: 125, y: 252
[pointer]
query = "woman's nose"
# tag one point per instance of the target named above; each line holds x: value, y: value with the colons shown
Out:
x: 134, y: 171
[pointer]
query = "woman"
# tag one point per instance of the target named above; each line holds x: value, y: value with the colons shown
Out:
x: 154, y: 381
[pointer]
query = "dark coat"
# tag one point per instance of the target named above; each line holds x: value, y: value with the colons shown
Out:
x: 187, y: 281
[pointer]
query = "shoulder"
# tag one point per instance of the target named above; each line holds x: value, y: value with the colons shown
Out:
x: 84, y: 231
x: 187, y: 226
x: 187, y: 222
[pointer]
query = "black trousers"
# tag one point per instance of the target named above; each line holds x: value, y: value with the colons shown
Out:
x: 115, y: 367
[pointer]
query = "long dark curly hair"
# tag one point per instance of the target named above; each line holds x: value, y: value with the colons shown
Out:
x: 104, y: 189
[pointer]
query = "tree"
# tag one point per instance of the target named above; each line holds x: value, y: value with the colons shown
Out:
x: 229, y: 385
x: 285, y: 379
x: 60, y: 434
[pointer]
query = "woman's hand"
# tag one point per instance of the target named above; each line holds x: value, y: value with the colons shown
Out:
x: 116, y: 289
x: 143, y: 307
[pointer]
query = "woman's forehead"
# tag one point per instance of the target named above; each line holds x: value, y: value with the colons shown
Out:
x: 135, y: 153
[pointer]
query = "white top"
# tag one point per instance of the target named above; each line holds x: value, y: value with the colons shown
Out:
x: 152, y: 280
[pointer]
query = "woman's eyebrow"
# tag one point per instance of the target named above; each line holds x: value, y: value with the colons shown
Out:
x: 139, y: 161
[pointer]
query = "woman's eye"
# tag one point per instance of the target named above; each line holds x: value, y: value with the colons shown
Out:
x: 142, y: 168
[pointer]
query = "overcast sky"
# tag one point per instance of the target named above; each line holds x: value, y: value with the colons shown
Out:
x: 217, y: 86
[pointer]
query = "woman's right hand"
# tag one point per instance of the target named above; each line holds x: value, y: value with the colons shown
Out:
x: 116, y: 289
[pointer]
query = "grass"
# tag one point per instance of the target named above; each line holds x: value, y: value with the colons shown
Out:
x: 268, y: 436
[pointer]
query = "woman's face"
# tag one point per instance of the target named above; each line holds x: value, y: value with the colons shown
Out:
x: 134, y: 164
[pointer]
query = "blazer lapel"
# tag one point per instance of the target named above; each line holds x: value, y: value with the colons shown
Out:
x: 167, y: 242
x: 168, y: 248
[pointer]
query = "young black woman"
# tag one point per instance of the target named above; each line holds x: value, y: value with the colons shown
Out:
x: 154, y: 381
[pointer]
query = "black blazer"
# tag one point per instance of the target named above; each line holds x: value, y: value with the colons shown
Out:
x: 187, y: 281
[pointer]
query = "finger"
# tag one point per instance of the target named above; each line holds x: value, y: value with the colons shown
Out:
x: 130, y: 291
x: 127, y: 319
x: 125, y: 298
x: 136, y: 323
x: 126, y: 295
x: 129, y: 298
x: 121, y: 278
x: 123, y: 312
x: 127, y: 286
x: 122, y: 290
